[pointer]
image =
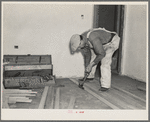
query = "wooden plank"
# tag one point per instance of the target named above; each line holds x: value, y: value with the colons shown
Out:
x: 43, y: 99
x: 20, y: 95
x: 57, y: 98
x: 5, y: 102
x: 20, y: 100
x: 97, y: 96
x: 12, y: 90
x: 50, y: 97
x: 52, y: 102
x: 129, y: 100
x: 130, y: 94
x: 27, y: 67
x: 71, y: 103
x: 122, y: 100
x: 4, y: 98
x: 110, y: 96
x: 19, y: 92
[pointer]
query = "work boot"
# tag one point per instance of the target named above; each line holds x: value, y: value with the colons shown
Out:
x: 103, y: 89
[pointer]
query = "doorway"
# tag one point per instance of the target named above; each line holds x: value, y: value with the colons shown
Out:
x: 111, y: 18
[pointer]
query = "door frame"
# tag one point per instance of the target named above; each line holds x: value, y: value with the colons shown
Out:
x: 122, y: 10
x: 119, y: 27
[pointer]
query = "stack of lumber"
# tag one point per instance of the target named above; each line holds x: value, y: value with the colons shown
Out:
x: 17, y: 95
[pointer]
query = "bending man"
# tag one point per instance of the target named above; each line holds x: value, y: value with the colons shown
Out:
x: 97, y: 45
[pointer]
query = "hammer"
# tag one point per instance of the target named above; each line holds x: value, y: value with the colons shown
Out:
x: 84, y: 79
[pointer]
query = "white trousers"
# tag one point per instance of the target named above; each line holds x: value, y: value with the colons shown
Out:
x: 105, y: 67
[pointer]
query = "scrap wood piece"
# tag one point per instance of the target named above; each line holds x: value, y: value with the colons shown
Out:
x: 17, y: 99
x: 43, y: 99
x: 71, y: 103
x: 20, y: 100
x: 57, y: 98
x: 17, y: 91
x: 50, y: 98
x: 20, y: 95
x: 21, y: 92
x: 5, y: 102
x: 132, y: 95
x: 97, y: 96
x: 4, y: 99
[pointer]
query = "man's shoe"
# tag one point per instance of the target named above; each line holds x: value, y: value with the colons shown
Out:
x: 103, y: 89
x: 90, y: 79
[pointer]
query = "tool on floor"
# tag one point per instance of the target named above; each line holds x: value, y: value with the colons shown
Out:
x: 84, y: 79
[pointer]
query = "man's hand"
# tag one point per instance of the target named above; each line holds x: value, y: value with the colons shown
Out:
x: 89, y: 68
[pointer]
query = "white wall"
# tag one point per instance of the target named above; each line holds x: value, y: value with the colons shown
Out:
x: 46, y: 29
x: 135, y: 42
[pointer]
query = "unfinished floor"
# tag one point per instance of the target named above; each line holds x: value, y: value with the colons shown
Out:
x: 124, y: 94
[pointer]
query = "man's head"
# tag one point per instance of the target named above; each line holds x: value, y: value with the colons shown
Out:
x: 76, y: 43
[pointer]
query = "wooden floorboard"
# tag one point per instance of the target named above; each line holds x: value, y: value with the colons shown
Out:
x: 130, y: 94
x: 130, y: 100
x: 71, y: 103
x: 49, y: 98
x: 97, y: 96
x: 52, y: 99
x: 57, y: 98
x: 121, y: 98
x: 43, y: 99
x: 110, y: 97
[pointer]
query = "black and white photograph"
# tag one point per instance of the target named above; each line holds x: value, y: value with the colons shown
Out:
x: 74, y: 60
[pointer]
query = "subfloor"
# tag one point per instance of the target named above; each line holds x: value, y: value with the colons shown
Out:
x: 124, y: 94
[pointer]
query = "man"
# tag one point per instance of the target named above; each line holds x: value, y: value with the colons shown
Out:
x: 97, y: 45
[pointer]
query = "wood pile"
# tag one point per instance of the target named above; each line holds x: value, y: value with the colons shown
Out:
x: 16, y: 95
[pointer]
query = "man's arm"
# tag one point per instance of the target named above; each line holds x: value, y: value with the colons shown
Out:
x: 99, y: 51
x: 86, y: 52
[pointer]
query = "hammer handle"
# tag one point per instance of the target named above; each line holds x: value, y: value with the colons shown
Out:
x: 85, y: 77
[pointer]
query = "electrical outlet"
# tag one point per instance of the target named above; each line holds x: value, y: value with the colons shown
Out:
x: 16, y: 47
x: 82, y: 16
